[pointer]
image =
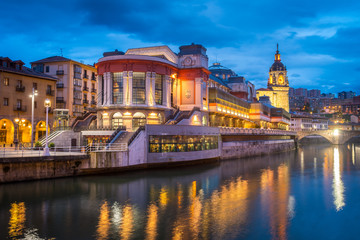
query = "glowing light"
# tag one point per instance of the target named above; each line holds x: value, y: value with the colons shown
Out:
x: 105, y: 114
x: 104, y: 222
x: 17, y: 219
x: 338, y: 186
x: 127, y: 114
x: 336, y: 132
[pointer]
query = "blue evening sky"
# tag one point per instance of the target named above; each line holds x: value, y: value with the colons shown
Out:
x: 319, y: 40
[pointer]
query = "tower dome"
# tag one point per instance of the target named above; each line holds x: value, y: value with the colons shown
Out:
x: 277, y: 65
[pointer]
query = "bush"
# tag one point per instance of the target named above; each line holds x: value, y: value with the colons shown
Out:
x: 38, y: 144
x: 51, y: 145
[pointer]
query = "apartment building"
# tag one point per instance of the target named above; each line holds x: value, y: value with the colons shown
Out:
x: 16, y: 85
x: 76, y: 88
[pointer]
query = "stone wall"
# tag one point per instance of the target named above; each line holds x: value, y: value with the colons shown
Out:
x: 33, y: 168
x: 64, y: 139
x: 254, y: 148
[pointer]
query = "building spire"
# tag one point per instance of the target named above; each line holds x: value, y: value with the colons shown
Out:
x: 277, y: 55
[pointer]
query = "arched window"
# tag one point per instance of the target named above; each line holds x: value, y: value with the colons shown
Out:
x: 117, y: 120
x: 139, y: 120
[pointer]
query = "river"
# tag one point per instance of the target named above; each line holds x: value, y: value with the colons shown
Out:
x: 311, y: 193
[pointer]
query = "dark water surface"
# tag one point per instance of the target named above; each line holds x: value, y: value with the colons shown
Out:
x: 311, y: 193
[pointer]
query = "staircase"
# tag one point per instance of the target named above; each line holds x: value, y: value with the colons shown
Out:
x: 51, y: 136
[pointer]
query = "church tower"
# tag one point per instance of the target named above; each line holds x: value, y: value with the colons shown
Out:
x: 278, y: 84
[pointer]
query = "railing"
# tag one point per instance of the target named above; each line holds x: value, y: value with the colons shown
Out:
x: 93, y: 90
x: 60, y: 72
x: 141, y: 128
x: 93, y: 78
x: 59, y: 85
x: 86, y: 76
x: 60, y: 100
x: 20, y: 88
x: 50, y: 92
x: 20, y: 108
x: 95, y: 128
x: 85, y: 101
x: 12, y: 152
x: 252, y: 131
x: 93, y: 102
x: 85, y: 88
x: 110, y: 147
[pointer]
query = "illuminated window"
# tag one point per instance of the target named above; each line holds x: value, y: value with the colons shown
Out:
x: 139, y: 91
x: 159, y: 79
x: 117, y: 88
x: 6, y: 81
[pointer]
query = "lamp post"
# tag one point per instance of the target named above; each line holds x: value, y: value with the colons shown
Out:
x: 34, y: 93
x: 17, y: 140
x: 47, y: 104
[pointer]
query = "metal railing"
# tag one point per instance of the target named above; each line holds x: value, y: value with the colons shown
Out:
x: 59, y: 85
x: 60, y: 72
x: 250, y: 131
x: 107, y: 147
x: 20, y: 108
x: 20, y: 88
x: 12, y: 152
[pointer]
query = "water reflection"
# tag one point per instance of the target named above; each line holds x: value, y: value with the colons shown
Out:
x: 271, y: 197
x: 104, y: 222
x: 17, y: 219
x: 338, y: 186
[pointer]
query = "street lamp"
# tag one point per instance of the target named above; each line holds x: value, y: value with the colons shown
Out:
x: 47, y: 104
x: 18, y: 121
x: 34, y: 93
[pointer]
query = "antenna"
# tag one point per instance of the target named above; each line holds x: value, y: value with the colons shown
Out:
x: 61, y: 52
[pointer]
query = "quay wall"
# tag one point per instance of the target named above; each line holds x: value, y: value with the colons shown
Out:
x: 35, y: 168
x: 241, y: 149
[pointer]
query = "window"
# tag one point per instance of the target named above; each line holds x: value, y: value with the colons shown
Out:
x: 19, y: 83
x: 118, y: 93
x: 139, y: 92
x: 77, y: 71
x: 35, y: 104
x: 6, y: 81
x: 159, y: 79
x: 6, y: 102
x: 4, y: 64
x: 47, y: 69
x: 35, y: 85
x: 18, y: 103
x: 182, y: 143
x: 85, y: 96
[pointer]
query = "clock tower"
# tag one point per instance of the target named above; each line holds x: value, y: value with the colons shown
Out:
x: 278, y: 84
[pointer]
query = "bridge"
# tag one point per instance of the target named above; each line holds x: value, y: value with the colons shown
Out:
x: 337, y: 136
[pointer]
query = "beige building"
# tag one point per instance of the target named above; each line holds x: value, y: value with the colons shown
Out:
x: 75, y: 90
x: 278, y: 85
x: 16, y: 84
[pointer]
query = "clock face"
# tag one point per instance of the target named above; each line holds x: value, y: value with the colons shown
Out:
x: 281, y: 79
x: 187, y: 61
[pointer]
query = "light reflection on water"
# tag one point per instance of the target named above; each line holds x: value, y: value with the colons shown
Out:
x: 270, y: 197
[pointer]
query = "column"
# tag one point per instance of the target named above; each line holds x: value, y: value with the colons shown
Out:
x: 198, y: 93
x: 152, y: 89
x: 125, y: 87
x: 167, y: 91
x: 129, y: 100
x: 148, y: 88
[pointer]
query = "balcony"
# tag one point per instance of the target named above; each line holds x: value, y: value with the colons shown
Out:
x: 93, y: 78
x: 50, y: 92
x: 86, y: 76
x: 85, y: 101
x: 20, y: 88
x: 93, y: 90
x: 59, y: 85
x: 60, y: 100
x: 93, y: 102
x: 20, y: 108
x: 77, y: 102
x: 60, y: 72
x: 85, y: 88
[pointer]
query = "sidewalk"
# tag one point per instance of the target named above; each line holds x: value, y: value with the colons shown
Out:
x: 13, y: 153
